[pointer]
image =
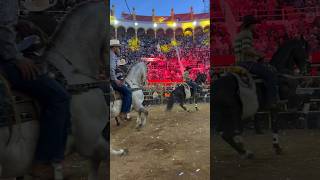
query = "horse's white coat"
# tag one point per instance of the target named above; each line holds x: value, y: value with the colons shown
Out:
x: 80, y: 40
x: 136, y: 79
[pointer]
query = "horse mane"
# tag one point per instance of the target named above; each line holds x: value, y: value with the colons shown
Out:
x: 282, y: 52
x: 66, y: 18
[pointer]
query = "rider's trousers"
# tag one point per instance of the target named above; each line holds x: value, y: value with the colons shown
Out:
x: 126, y: 97
x: 54, y: 115
x: 193, y: 86
x: 267, y: 75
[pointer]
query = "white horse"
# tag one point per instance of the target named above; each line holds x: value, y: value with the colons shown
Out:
x: 136, y: 79
x: 77, y: 46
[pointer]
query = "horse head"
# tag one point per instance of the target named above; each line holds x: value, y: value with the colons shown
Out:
x: 290, y: 53
x: 137, y: 75
x: 201, y: 78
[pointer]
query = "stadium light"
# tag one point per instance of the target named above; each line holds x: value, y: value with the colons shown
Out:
x: 136, y: 24
x: 155, y: 25
x: 174, y: 24
x: 195, y: 23
x: 116, y: 22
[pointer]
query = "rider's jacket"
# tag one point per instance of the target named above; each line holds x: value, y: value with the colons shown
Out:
x: 113, y: 65
x: 186, y: 76
x: 243, y: 40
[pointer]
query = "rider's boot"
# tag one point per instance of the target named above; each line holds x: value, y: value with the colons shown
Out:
x: 41, y: 171
x: 125, y: 116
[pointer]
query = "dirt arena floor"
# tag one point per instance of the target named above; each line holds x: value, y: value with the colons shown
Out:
x: 76, y: 168
x: 173, y: 146
x: 300, y: 161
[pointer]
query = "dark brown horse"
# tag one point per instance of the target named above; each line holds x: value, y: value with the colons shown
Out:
x: 227, y: 106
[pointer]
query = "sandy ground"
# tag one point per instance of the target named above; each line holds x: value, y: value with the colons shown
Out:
x: 173, y: 146
x: 300, y: 161
x: 76, y: 168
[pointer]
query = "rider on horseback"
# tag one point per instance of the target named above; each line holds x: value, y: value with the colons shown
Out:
x: 118, y: 84
x: 24, y: 75
x: 249, y: 58
x: 188, y: 80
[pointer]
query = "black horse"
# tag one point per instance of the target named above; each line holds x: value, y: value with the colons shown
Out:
x: 227, y: 106
x: 179, y: 94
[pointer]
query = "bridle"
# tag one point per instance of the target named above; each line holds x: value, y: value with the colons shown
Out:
x: 84, y: 87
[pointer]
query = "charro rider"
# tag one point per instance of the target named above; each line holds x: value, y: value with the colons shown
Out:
x: 119, y: 84
x: 122, y: 69
x: 188, y: 80
x: 249, y: 58
x: 24, y: 75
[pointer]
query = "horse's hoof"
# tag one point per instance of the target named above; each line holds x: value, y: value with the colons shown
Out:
x: 125, y: 152
x: 278, y: 150
x: 259, y: 133
x: 138, y: 127
x: 248, y: 155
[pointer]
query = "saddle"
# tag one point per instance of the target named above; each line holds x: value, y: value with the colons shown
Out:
x: 246, y: 89
x: 16, y: 106
x: 242, y: 74
x: 187, y: 89
x: 115, y: 95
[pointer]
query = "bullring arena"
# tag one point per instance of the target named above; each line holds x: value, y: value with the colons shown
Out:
x: 173, y: 145
x: 300, y: 140
x: 299, y: 161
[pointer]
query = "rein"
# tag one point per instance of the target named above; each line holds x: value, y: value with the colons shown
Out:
x: 78, y: 88
x: 75, y: 69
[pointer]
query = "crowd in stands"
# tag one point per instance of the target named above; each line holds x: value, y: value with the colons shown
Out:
x: 271, y: 8
x: 269, y: 35
x: 220, y: 40
x: 194, y: 52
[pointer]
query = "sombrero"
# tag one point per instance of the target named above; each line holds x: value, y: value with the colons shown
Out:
x: 248, y: 20
x: 114, y: 42
x: 38, y: 5
x: 122, y: 62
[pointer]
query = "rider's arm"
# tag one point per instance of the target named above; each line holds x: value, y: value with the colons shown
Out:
x: 8, y: 18
x: 186, y: 76
x: 247, y: 46
x: 250, y: 51
x: 113, y: 67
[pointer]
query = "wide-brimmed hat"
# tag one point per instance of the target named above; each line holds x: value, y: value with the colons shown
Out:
x: 248, y: 20
x: 115, y: 43
x: 38, y: 5
x: 122, y: 62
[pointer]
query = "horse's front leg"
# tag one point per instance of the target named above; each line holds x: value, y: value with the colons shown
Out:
x: 117, y: 121
x: 236, y: 142
x: 94, y: 167
x: 182, y: 105
x: 275, y: 133
x: 195, y: 102
x: 118, y: 152
x: 139, y: 122
x: 144, y: 116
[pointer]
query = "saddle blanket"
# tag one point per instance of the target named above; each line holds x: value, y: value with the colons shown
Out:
x: 187, y: 90
x: 248, y: 95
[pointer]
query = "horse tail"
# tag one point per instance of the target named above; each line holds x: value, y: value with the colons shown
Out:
x: 170, y: 102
